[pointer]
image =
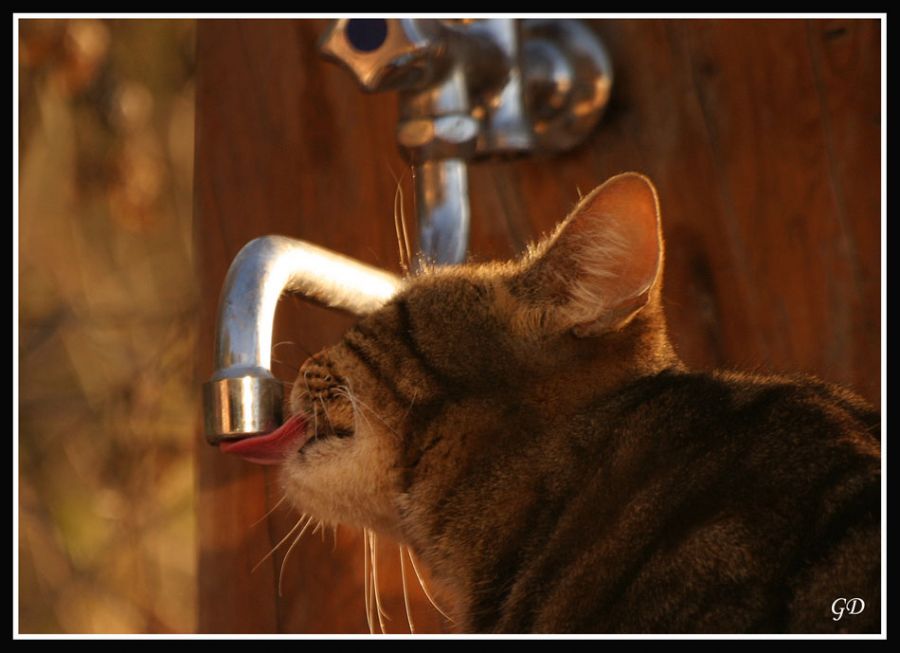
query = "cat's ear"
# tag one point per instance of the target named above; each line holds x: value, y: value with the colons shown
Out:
x: 600, y: 267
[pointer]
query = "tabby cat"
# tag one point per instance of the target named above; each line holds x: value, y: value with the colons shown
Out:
x: 528, y: 430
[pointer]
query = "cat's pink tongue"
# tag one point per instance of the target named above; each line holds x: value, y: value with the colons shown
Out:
x: 270, y: 448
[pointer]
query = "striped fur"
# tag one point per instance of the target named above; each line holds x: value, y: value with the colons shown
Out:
x: 527, y: 429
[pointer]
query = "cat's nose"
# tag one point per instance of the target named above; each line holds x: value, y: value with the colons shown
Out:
x: 243, y: 398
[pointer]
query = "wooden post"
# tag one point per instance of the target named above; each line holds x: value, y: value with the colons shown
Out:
x: 763, y: 138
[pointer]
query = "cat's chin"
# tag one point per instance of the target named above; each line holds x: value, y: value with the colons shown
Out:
x: 345, y: 480
x: 333, y: 512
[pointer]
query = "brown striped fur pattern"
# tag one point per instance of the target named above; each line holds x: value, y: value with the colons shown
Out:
x: 527, y: 429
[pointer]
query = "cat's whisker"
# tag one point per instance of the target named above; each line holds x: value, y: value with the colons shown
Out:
x: 291, y: 342
x: 289, y: 389
x: 279, y: 361
x: 382, y: 615
x: 367, y: 580
x: 377, y: 416
x: 403, y: 246
x: 342, y: 393
x: 283, y: 540
x: 357, y: 413
x: 405, y: 234
x: 354, y: 406
x: 286, y: 555
x: 314, y: 411
x: 398, y: 193
x: 348, y: 392
x: 411, y: 402
x: 270, y: 511
x: 423, y: 262
x: 412, y: 560
x: 320, y: 528
x: 284, y: 342
x: 327, y: 416
x: 409, y: 619
x: 287, y: 365
x: 334, y: 531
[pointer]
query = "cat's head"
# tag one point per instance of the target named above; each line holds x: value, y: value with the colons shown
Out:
x: 468, y: 362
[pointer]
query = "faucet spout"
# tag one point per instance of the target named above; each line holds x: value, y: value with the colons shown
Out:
x: 243, y: 397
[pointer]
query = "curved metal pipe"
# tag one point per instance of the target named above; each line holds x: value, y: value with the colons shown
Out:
x: 243, y: 397
x: 469, y: 89
x: 442, y: 202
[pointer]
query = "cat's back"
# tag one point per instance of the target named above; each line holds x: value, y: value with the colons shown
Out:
x: 775, y: 421
x: 716, y: 502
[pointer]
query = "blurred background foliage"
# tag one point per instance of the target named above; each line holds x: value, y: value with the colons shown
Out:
x: 107, y: 314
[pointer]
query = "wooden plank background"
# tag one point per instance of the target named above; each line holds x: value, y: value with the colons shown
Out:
x: 763, y: 138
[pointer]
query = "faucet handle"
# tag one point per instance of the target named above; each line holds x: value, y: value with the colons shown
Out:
x: 388, y: 53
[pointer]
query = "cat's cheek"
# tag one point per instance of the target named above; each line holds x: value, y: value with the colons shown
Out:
x: 347, y: 481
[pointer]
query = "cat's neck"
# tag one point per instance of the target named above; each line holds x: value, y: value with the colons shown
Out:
x: 520, y: 440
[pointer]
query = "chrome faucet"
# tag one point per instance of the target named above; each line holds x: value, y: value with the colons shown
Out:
x: 468, y: 89
x: 243, y: 397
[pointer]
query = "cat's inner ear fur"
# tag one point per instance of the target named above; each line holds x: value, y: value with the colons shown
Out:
x: 601, y: 265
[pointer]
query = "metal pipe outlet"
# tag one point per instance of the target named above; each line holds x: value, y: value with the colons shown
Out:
x: 243, y: 397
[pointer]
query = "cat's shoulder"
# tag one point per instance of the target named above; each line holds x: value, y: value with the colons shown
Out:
x: 798, y: 393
